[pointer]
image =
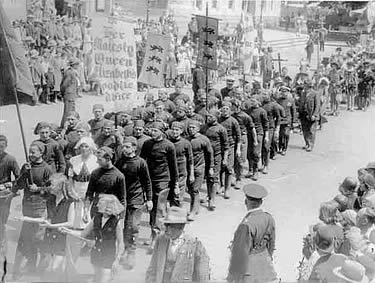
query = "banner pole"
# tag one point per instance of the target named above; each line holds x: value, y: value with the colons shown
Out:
x: 206, y: 59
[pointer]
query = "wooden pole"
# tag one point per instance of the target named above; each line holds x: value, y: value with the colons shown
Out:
x: 206, y: 58
x: 279, y: 58
x: 148, y: 13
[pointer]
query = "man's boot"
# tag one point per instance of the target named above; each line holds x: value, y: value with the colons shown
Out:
x: 228, y: 180
x: 211, y: 196
x: 255, y: 175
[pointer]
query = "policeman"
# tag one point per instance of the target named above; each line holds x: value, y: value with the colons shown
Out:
x: 254, y: 242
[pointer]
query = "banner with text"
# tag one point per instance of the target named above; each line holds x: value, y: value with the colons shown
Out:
x: 115, y: 65
x: 248, y: 49
x: 157, y: 48
x: 208, y: 29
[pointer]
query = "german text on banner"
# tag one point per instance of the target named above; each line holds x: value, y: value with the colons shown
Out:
x: 208, y: 32
x: 115, y: 65
x: 15, y: 71
x: 153, y: 65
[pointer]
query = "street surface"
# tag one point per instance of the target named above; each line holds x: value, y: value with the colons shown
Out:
x: 297, y: 183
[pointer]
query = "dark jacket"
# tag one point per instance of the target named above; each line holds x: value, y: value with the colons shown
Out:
x: 309, y: 105
x: 69, y: 85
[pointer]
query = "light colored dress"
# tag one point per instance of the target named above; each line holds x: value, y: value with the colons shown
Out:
x: 80, y: 172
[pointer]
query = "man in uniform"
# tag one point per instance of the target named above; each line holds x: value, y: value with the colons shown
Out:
x: 97, y: 123
x: 160, y: 155
x: 218, y: 137
x: 226, y: 90
x: 309, y: 109
x: 234, y: 141
x: 139, y: 134
x: 254, y: 242
x: 203, y: 165
x: 178, y: 94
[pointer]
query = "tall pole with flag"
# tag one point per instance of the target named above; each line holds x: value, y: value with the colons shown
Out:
x: 208, y: 29
x: 15, y: 72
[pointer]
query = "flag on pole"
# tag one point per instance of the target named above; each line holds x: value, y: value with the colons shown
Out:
x: 157, y: 48
x: 208, y: 30
x: 14, y: 68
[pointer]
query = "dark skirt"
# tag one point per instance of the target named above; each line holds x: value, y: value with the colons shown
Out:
x: 54, y: 242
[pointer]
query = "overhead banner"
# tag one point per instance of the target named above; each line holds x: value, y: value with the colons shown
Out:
x: 248, y: 49
x: 115, y: 65
x: 208, y: 29
x: 157, y: 48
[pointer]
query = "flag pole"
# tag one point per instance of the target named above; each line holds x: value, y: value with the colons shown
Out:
x: 14, y: 90
x: 206, y: 59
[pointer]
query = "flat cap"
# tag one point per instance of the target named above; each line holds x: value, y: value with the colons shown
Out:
x: 132, y: 140
x: 177, y: 124
x: 106, y: 150
x: 255, y: 191
x: 98, y: 107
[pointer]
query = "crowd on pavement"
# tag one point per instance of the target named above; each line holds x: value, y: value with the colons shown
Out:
x: 88, y: 181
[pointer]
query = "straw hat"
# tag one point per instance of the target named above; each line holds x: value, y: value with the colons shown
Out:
x: 175, y: 215
x: 351, y: 271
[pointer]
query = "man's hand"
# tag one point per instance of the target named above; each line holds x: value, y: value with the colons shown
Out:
x: 225, y: 161
x: 33, y: 188
x: 211, y: 172
x: 266, y: 140
x: 149, y: 205
x: 191, y: 179
x: 238, y: 152
x: 27, y: 166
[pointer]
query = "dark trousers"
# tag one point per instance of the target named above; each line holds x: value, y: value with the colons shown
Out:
x: 254, y: 153
x: 69, y: 105
x: 194, y: 188
x: 239, y: 162
x: 309, y: 131
x: 214, y: 180
x: 274, y: 145
x: 284, y: 137
x: 321, y: 45
x: 182, y: 185
x: 266, y: 147
x: 160, y: 191
x: 131, y: 227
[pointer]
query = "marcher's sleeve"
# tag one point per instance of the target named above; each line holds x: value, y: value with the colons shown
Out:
x: 61, y: 160
x: 189, y: 156
x: 239, y: 253
x: 121, y: 189
x: 277, y: 115
x: 209, y: 154
x: 224, y: 140
x: 249, y: 123
x: 143, y: 153
x: 294, y: 113
x: 15, y: 168
x: 201, y: 271
x: 91, y: 187
x: 172, y: 164
x: 265, y: 121
x: 145, y: 180
x: 236, y: 131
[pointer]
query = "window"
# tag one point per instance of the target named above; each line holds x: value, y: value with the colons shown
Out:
x: 214, y: 4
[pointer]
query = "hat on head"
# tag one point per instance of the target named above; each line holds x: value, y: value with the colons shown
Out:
x: 83, y: 126
x: 139, y: 123
x: 178, y: 84
x: 34, y: 54
x: 112, y: 202
x: 158, y: 103
x: 227, y: 104
x: 175, y: 215
x: 73, y: 114
x: 52, y: 43
x: 194, y: 123
x: 278, y: 81
x: 284, y: 88
x: 214, y: 112
x: 98, y: 107
x: 369, y: 180
x: 157, y: 125
x: 41, y: 146
x: 108, y: 124
x: 132, y: 140
x: 230, y: 79
x: 255, y: 191
x: 349, y: 184
x: 40, y: 126
x: 324, y: 80
x: 324, y: 237
x: 177, y: 124
x: 86, y: 140
x: 107, y: 150
x: 351, y: 271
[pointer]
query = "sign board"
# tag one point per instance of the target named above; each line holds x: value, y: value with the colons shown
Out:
x: 208, y: 29
x: 115, y: 65
x: 157, y: 48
